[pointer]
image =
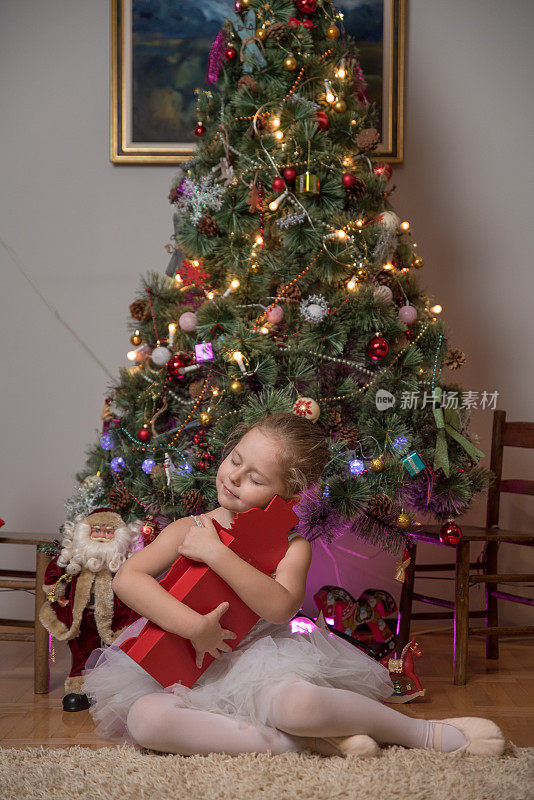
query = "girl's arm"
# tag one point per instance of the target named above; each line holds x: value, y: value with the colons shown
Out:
x: 136, y: 585
x: 275, y: 600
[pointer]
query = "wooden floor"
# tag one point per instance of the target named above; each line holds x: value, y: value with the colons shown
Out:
x: 500, y: 690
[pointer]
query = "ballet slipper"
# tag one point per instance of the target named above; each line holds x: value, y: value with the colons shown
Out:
x: 357, y: 745
x: 483, y: 737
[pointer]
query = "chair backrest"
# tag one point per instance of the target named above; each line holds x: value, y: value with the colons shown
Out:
x: 506, y: 434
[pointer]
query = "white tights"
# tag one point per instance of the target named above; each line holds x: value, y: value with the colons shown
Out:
x: 300, y: 714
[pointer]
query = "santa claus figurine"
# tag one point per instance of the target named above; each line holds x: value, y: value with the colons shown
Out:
x: 82, y: 608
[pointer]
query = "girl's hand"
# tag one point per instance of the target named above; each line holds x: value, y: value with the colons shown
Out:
x: 211, y: 636
x: 201, y: 543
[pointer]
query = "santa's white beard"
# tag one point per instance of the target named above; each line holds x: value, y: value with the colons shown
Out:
x: 80, y: 550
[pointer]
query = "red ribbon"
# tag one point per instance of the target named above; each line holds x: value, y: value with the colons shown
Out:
x: 294, y: 23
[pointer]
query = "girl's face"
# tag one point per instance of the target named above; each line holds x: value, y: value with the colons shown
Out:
x: 250, y: 475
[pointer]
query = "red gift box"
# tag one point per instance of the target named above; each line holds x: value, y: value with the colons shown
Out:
x: 257, y: 536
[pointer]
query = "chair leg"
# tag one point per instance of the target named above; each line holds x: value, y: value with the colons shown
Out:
x: 405, y: 604
x: 461, y: 613
x: 491, y: 603
x: 41, y: 645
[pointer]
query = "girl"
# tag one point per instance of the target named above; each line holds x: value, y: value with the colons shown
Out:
x: 277, y: 691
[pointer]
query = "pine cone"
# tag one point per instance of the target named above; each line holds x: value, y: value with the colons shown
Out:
x: 248, y: 82
x: 195, y: 387
x: 383, y: 278
x: 347, y: 432
x: 277, y: 30
x: 192, y: 501
x: 368, y: 139
x: 356, y: 191
x: 454, y: 359
x: 208, y: 226
x: 290, y: 290
x: 380, y: 505
x: 119, y: 498
x: 140, y: 310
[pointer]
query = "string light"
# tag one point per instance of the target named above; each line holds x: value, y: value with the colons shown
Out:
x: 172, y: 331
x: 436, y: 309
x: 234, y: 284
x: 340, y: 72
x: 132, y: 354
x: 341, y: 234
x: 264, y: 330
x: 279, y: 200
x: 330, y: 96
x: 405, y: 226
x: 351, y: 285
x: 239, y: 358
x: 259, y: 240
x: 278, y: 135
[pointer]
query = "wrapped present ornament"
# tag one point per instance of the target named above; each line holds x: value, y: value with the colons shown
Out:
x: 257, y: 536
x: 413, y: 463
x: 307, y: 183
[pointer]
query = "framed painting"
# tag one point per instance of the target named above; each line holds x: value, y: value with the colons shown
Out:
x: 159, y: 56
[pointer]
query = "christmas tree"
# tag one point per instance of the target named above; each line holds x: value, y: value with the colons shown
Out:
x: 292, y: 286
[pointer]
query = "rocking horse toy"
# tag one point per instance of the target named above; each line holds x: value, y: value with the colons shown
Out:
x: 406, y: 684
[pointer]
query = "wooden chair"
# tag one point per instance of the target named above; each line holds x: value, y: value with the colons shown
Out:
x: 505, y: 434
x: 27, y: 579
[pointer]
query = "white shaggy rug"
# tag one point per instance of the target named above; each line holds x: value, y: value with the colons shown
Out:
x: 123, y: 772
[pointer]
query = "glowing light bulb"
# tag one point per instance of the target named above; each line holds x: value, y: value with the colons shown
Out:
x: 264, y: 330
x: 172, y: 331
x: 273, y: 206
x: 195, y: 263
x: 234, y: 284
x: 275, y: 122
x: 341, y: 73
x: 215, y: 391
x: 351, y: 285
x: 278, y: 135
x: 405, y: 226
x: 178, y: 278
x: 387, y: 266
x: 347, y: 161
x: 239, y: 358
x: 436, y: 309
x: 330, y: 96
x: 210, y: 295
x: 341, y: 234
x: 359, y: 223
x: 259, y: 240
x: 131, y: 355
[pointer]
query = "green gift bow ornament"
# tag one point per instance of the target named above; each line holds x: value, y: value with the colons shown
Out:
x: 448, y: 422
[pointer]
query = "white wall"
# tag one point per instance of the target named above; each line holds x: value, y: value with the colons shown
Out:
x: 86, y: 229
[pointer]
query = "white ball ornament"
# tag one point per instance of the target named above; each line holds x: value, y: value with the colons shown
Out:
x: 383, y: 294
x: 314, y: 308
x: 308, y: 408
x: 160, y: 356
x: 408, y: 314
x: 188, y: 321
x: 388, y: 220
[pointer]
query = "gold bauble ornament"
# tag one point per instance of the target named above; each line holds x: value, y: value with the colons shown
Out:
x: 362, y: 273
x: 204, y: 418
x: 377, y: 465
x: 245, y: 3
x: 332, y: 32
x: 290, y: 62
x: 403, y: 520
x: 418, y: 262
x: 340, y: 106
x: 135, y: 338
x: 261, y: 34
x: 236, y: 387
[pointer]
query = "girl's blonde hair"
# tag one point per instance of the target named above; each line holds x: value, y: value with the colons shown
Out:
x: 304, y: 451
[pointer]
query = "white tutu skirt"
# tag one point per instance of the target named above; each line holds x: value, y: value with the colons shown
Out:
x: 241, y: 683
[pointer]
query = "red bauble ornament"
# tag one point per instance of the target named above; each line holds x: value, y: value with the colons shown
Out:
x: 383, y: 171
x: 306, y: 6
x: 410, y: 334
x: 231, y: 53
x: 290, y: 173
x: 279, y: 184
x: 378, y: 347
x: 175, y: 364
x: 348, y: 180
x: 200, y: 130
x: 450, y: 533
x: 322, y: 120
x: 144, y: 435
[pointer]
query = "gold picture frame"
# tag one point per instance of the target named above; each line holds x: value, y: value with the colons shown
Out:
x: 389, y: 84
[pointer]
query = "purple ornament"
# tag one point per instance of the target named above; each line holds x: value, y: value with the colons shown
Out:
x: 204, y: 351
x: 117, y: 463
x: 357, y: 467
x: 216, y: 57
x: 148, y: 465
x: 107, y: 441
x: 408, y: 314
x: 188, y: 321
